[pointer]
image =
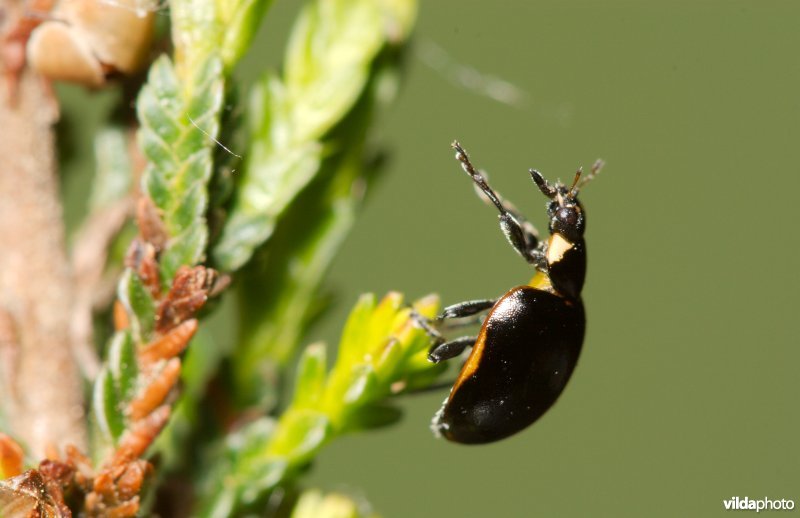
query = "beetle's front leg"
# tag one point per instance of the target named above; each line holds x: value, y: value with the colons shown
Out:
x: 521, y: 235
x: 538, y: 256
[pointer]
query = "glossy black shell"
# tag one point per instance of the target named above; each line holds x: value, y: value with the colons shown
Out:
x: 568, y: 273
x: 524, y: 356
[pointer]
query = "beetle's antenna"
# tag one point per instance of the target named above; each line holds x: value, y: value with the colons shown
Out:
x: 479, y: 180
x: 572, y: 191
x: 596, y: 168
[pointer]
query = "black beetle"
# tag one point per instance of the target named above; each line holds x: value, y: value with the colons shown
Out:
x: 531, y: 337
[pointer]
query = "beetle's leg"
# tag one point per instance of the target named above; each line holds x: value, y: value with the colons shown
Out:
x: 458, y: 323
x: 464, y: 314
x: 532, y: 240
x: 522, y: 235
x: 441, y: 349
x: 543, y: 185
x: 451, y: 349
x: 466, y: 309
x: 426, y: 326
x: 538, y: 256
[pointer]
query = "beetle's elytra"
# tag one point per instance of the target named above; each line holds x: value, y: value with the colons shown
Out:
x: 531, y: 337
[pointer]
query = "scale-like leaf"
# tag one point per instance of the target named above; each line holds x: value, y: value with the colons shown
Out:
x: 139, y: 304
x: 311, y: 372
x: 177, y: 136
x: 327, y: 68
x: 122, y: 363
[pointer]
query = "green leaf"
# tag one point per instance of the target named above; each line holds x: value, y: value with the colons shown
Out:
x: 327, y: 69
x: 241, y: 18
x: 295, y: 201
x: 202, y: 27
x: 179, y: 110
x: 241, y: 475
x: 311, y: 374
x: 357, y: 329
x: 196, y: 33
x: 106, y: 407
x: 363, y: 387
x: 388, y: 360
x: 279, y: 292
x: 298, y: 436
x: 191, y: 208
x: 264, y: 478
x: 313, y: 504
x: 122, y: 364
x: 139, y: 304
x: 327, y: 62
x: 222, y: 504
x: 276, y: 170
x: 187, y: 248
x: 177, y: 133
x: 351, y: 397
x: 384, y: 320
x: 372, y: 416
x: 377, y: 345
x: 258, y: 204
x: 399, y: 16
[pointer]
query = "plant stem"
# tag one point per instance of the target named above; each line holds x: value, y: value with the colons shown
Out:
x: 44, y: 399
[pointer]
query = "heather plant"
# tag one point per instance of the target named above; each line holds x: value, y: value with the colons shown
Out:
x: 107, y: 405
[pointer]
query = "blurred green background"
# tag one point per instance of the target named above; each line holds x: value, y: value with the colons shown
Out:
x: 686, y: 393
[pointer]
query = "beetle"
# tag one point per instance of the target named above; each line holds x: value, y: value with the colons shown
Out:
x: 531, y: 337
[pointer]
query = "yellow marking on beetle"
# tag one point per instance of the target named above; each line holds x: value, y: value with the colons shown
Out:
x: 541, y: 281
x: 557, y: 247
x: 471, y: 365
x: 474, y: 359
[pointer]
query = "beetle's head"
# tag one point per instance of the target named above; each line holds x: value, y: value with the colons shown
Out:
x: 565, y: 211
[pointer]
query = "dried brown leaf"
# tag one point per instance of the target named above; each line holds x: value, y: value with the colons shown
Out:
x: 156, y: 390
x: 169, y: 345
x: 151, y: 227
x: 190, y: 290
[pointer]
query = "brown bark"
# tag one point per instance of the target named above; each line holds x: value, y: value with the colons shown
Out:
x: 42, y: 392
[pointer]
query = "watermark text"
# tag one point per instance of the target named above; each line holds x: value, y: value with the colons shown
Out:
x: 736, y: 503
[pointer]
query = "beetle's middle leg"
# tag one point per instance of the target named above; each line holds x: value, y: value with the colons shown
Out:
x: 448, y: 350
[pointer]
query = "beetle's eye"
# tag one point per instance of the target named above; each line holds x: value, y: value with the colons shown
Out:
x: 567, y: 216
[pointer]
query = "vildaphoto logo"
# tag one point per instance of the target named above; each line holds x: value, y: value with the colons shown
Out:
x: 765, y: 504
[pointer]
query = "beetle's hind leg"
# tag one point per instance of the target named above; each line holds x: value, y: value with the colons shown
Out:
x: 520, y: 233
x: 441, y: 349
x: 448, y: 350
